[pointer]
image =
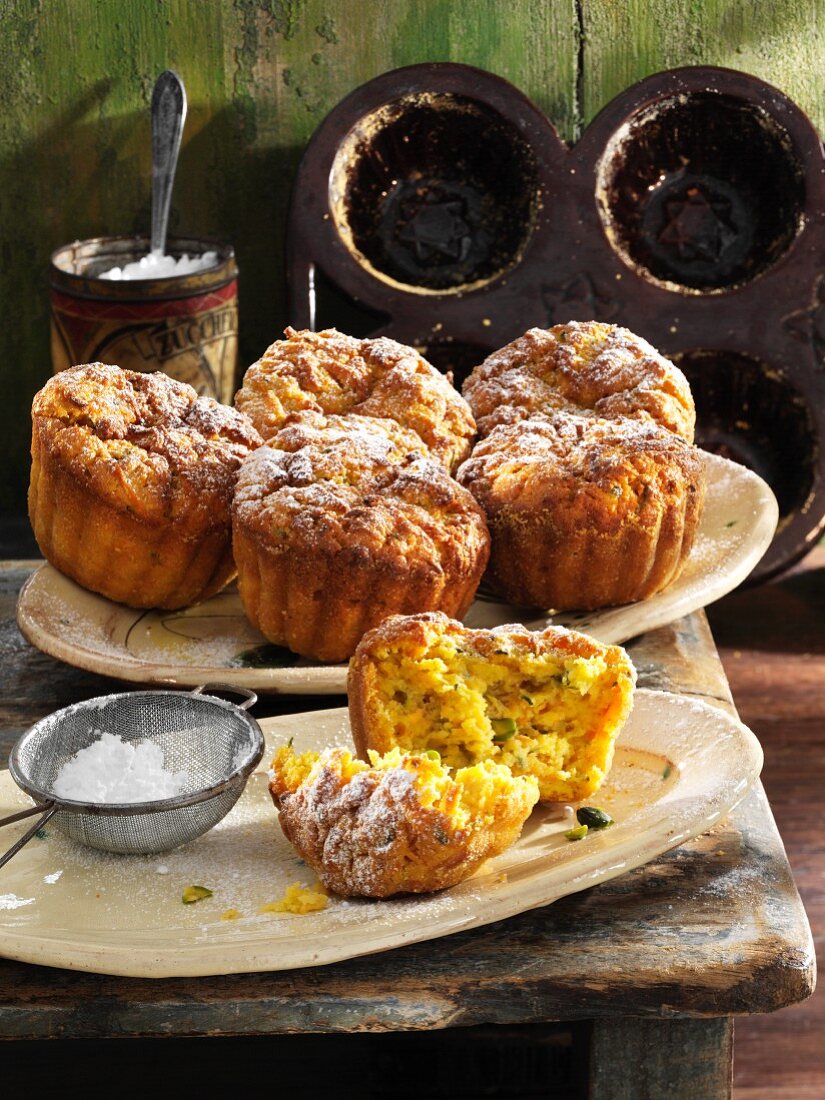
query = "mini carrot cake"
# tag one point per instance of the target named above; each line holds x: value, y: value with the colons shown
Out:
x: 400, y: 824
x: 341, y: 521
x: 585, y: 512
x: 331, y: 373
x: 585, y: 368
x: 548, y: 705
x: 131, y: 484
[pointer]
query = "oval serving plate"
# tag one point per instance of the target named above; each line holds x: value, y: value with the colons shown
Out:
x: 214, y: 641
x: 680, y: 767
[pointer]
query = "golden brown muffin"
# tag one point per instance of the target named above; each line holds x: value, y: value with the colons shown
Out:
x: 547, y: 704
x: 131, y: 484
x: 586, y: 513
x: 332, y: 373
x: 398, y: 825
x: 585, y: 368
x: 340, y: 521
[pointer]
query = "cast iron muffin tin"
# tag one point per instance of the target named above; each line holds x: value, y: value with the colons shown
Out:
x: 437, y: 205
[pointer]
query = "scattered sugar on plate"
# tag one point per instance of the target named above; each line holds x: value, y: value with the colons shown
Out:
x: 12, y: 901
x: 112, y: 770
x: 154, y: 265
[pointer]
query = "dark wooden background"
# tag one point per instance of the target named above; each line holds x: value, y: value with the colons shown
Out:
x: 76, y: 79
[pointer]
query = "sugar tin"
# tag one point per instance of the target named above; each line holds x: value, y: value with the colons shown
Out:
x: 186, y: 326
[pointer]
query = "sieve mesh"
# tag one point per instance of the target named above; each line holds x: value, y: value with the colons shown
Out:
x: 214, y: 742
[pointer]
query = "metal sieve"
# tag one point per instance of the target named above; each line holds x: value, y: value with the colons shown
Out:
x: 215, y: 742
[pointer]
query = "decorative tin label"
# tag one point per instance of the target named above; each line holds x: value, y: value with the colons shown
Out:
x: 192, y: 339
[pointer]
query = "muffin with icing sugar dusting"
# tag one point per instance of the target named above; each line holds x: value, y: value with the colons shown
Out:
x: 400, y: 824
x: 340, y: 521
x: 586, y: 471
x: 585, y: 368
x: 131, y: 484
x: 586, y: 513
x: 335, y: 374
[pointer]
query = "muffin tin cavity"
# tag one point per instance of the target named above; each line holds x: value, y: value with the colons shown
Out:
x: 749, y: 413
x: 435, y: 192
x: 704, y: 191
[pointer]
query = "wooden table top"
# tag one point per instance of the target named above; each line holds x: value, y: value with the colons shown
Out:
x: 713, y: 928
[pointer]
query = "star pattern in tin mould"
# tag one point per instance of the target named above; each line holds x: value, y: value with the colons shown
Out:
x: 697, y: 226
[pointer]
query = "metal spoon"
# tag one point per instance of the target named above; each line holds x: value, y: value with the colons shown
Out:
x: 168, y: 117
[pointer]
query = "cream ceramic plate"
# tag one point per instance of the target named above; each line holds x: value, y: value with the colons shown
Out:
x: 680, y: 766
x: 214, y: 642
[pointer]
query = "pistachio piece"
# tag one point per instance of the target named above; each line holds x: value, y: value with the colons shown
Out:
x: 503, y: 728
x: 191, y: 894
x: 594, y: 818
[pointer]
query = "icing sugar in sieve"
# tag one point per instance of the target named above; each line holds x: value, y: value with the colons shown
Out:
x: 209, y: 746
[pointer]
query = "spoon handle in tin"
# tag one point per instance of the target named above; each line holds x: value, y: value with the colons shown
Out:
x: 168, y: 117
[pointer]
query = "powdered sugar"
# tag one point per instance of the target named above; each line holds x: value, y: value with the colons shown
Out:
x: 12, y: 901
x: 154, y: 265
x: 143, y: 439
x: 363, y: 490
x: 112, y: 770
x: 331, y: 373
x: 581, y: 367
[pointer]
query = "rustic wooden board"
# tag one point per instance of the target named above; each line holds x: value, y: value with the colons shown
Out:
x: 76, y: 78
x: 712, y: 929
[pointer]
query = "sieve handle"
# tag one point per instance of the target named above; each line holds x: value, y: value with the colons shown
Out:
x: 50, y: 810
x: 249, y: 697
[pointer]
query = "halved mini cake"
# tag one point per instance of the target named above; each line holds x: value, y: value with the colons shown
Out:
x: 402, y: 824
x: 548, y: 704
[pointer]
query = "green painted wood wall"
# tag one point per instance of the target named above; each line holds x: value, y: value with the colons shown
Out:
x: 76, y: 78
